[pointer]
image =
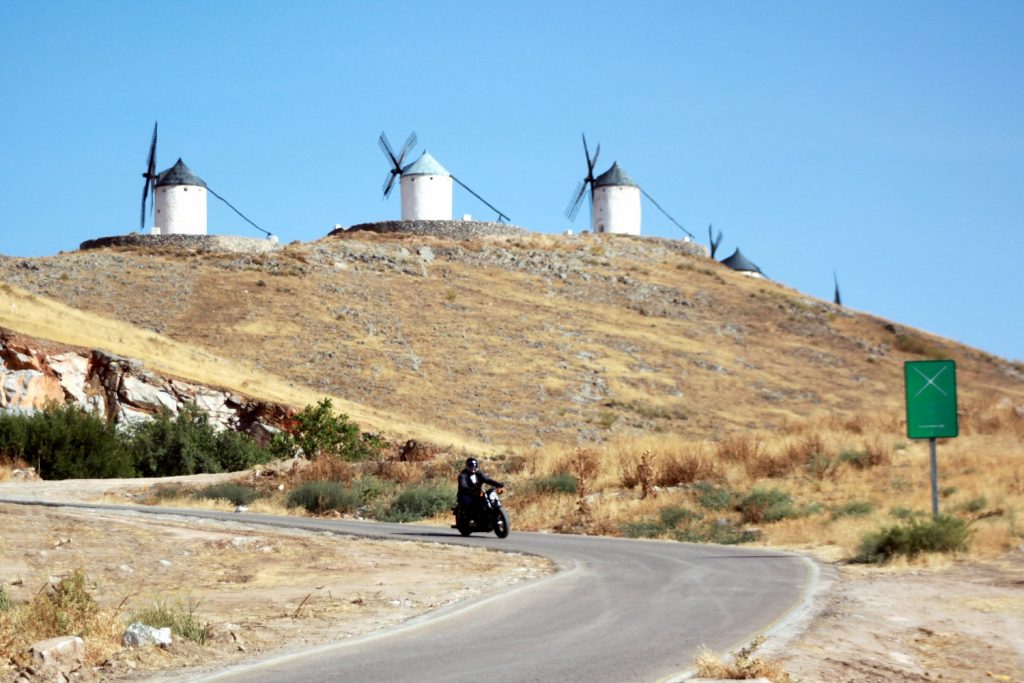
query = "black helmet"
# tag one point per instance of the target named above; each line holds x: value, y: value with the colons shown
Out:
x: 471, y: 464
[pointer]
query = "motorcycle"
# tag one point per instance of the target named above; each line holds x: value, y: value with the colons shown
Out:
x: 488, y: 516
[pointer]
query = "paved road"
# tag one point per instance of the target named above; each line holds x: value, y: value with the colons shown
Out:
x: 621, y: 610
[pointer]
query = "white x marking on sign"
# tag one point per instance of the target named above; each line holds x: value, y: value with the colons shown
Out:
x: 930, y: 381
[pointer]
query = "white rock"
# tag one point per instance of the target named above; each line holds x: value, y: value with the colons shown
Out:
x: 55, y: 658
x: 138, y: 634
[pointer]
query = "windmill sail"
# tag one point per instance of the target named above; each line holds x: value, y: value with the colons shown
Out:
x: 150, y: 176
x: 577, y: 196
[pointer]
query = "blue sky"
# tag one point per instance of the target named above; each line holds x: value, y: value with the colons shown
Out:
x: 880, y: 140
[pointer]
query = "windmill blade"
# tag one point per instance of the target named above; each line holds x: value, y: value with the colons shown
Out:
x: 576, y: 200
x: 666, y: 212
x: 385, y: 146
x: 836, y: 299
x: 410, y: 142
x: 593, y: 162
x: 230, y: 206
x: 149, y: 179
x: 389, y: 181
x: 714, y: 241
x: 491, y: 206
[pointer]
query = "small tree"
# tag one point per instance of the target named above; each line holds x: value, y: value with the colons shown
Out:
x: 319, y: 431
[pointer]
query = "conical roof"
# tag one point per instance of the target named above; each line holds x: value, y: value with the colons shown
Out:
x: 179, y: 174
x: 614, y: 176
x: 740, y: 262
x: 425, y: 165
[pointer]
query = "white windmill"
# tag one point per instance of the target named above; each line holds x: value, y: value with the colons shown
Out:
x: 180, y: 197
x: 426, y: 184
x: 614, y: 199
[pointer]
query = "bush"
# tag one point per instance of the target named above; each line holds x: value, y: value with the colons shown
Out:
x: 685, y: 469
x: 319, y: 431
x: 671, y: 516
x: 855, y: 508
x: 234, y: 493
x: 563, y: 482
x: 5, y: 601
x: 187, y: 443
x: 65, y: 442
x: 942, y: 534
x: 418, y: 502
x: 644, y: 529
x: 372, y: 488
x: 319, y: 497
x: 766, y: 505
x: 711, y: 497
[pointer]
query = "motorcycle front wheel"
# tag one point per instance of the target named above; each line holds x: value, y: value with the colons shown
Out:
x: 462, y: 524
x: 501, y: 525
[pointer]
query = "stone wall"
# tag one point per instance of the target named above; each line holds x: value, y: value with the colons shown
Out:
x: 456, y: 230
x: 34, y: 374
x: 198, y: 243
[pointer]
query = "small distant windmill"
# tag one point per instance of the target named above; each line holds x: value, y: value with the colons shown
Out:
x: 179, y: 196
x: 614, y: 199
x: 426, y: 184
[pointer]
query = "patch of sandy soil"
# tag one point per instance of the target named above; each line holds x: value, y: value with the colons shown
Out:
x: 263, y: 590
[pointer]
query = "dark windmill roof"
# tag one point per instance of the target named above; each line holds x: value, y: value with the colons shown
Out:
x: 179, y: 174
x: 740, y: 262
x: 614, y: 176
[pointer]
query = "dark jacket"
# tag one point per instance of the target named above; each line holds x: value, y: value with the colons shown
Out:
x: 471, y: 483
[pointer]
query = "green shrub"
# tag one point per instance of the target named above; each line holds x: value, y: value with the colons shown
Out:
x: 563, y: 482
x: 905, y: 513
x: 418, y: 502
x: 942, y: 534
x: 373, y: 488
x: 186, y: 443
x: 711, y: 497
x: 644, y: 529
x: 65, y: 442
x: 319, y: 432
x: 319, y: 497
x: 5, y: 601
x: 229, y: 491
x: 855, y: 508
x: 766, y: 505
x: 974, y: 504
x: 180, y: 617
x: 671, y: 516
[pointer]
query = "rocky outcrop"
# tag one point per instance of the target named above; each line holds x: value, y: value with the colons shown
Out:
x: 34, y: 374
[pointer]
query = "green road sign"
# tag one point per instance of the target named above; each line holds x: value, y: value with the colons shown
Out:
x: 931, y: 398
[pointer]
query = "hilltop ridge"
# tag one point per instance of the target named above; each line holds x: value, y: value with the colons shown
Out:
x: 516, y: 341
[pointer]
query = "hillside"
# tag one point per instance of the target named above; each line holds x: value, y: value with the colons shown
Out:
x: 507, y: 342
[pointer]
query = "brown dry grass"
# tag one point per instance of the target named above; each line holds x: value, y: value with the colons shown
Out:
x: 61, y: 608
x: 509, y: 343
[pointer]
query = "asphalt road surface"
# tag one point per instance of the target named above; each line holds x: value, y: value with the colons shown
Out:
x: 620, y: 610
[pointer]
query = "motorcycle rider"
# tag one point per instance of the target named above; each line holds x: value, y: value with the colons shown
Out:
x: 471, y: 483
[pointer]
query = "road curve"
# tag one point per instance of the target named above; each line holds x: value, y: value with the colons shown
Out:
x: 621, y: 610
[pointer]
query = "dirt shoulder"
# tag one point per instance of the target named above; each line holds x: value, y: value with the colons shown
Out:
x: 258, y: 590
x: 264, y: 590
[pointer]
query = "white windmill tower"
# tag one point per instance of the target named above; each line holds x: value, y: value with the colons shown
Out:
x: 614, y: 199
x: 616, y: 206
x: 426, y: 190
x: 426, y: 184
x: 180, y: 198
x: 180, y: 202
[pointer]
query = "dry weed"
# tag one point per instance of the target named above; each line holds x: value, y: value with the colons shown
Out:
x: 744, y: 666
x: 742, y: 448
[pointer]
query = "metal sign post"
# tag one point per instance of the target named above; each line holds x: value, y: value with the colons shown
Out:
x: 931, y: 408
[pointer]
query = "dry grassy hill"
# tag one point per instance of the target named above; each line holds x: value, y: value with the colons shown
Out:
x: 506, y: 342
